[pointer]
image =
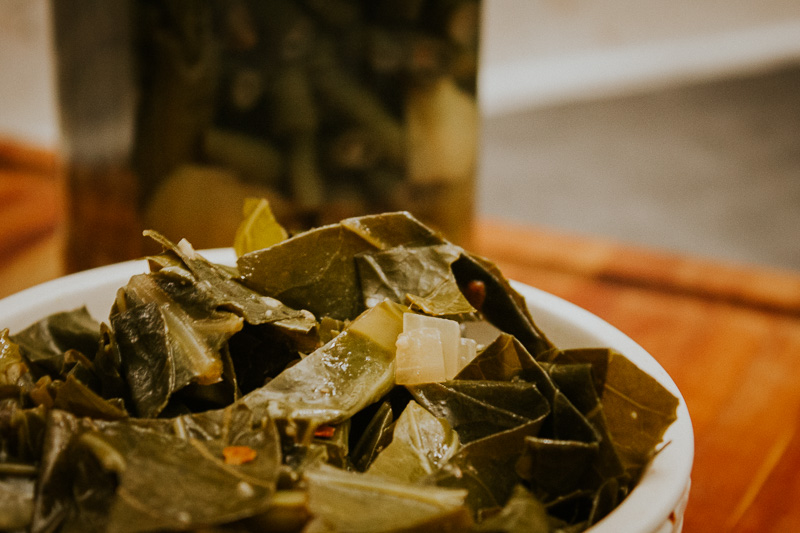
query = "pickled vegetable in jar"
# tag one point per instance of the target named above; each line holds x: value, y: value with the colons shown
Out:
x: 328, y: 108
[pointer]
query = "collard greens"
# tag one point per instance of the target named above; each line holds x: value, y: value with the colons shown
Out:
x: 262, y: 397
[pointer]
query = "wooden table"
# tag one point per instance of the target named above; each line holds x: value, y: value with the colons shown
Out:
x: 728, y: 335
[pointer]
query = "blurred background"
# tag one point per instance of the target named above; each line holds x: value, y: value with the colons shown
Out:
x: 668, y: 125
x: 674, y: 125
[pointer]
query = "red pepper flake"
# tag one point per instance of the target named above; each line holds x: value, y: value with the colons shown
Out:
x: 324, y: 432
x: 475, y: 293
x: 238, y: 455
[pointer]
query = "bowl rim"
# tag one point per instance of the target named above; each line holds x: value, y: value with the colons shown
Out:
x: 668, y: 475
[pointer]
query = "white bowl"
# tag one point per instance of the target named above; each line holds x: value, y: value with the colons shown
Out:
x: 656, y: 504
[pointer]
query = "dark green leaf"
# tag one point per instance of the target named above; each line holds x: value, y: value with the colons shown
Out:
x: 596, y: 358
x: 122, y: 476
x: 351, y: 502
x: 578, y: 384
x: 108, y: 367
x: 221, y: 290
x: 523, y: 513
x: 141, y: 336
x: 168, y: 335
x: 421, y: 444
x: 521, y: 398
x: 43, y: 343
x: 80, y: 400
x: 502, y: 360
x: 638, y: 410
x: 258, y: 354
x: 21, y: 430
x: 568, y: 423
x: 474, y: 418
x: 556, y: 467
x: 506, y: 359
x: 315, y: 270
x: 376, y: 434
x: 607, y: 497
x: 14, y: 373
x: 502, y: 305
x: 486, y: 467
x: 573, y: 509
x: 388, y: 230
x: 420, y: 277
x: 576, y: 381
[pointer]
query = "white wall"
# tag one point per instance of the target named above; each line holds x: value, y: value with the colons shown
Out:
x: 539, y: 52
x: 535, y: 52
x: 27, y: 105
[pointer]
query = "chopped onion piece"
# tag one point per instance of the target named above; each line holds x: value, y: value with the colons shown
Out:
x: 467, y: 350
x: 419, y: 357
x: 430, y: 350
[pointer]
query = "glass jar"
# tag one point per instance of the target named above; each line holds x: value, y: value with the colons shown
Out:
x: 174, y: 111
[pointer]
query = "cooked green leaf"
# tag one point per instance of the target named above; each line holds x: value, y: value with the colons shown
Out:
x: 141, y: 335
x: 523, y: 513
x: 80, y: 400
x: 566, y: 422
x: 21, y: 430
x: 14, y: 372
x: 122, y: 476
x: 351, y: 502
x: 506, y: 359
x: 420, y: 277
x: 388, y: 230
x: 331, y: 384
x: 316, y: 270
x: 501, y: 304
x: 43, y: 343
x: 313, y: 270
x: 477, y: 412
x: 577, y: 383
x: 421, y: 445
x: 607, y: 497
x: 487, y: 467
x: 375, y: 436
x: 16, y: 502
x: 638, y: 410
x: 258, y: 354
x: 556, y: 467
x: 108, y: 367
x: 215, y: 287
x: 168, y: 336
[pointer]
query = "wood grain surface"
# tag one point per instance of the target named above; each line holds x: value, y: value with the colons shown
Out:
x: 31, y: 217
x: 729, y: 336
